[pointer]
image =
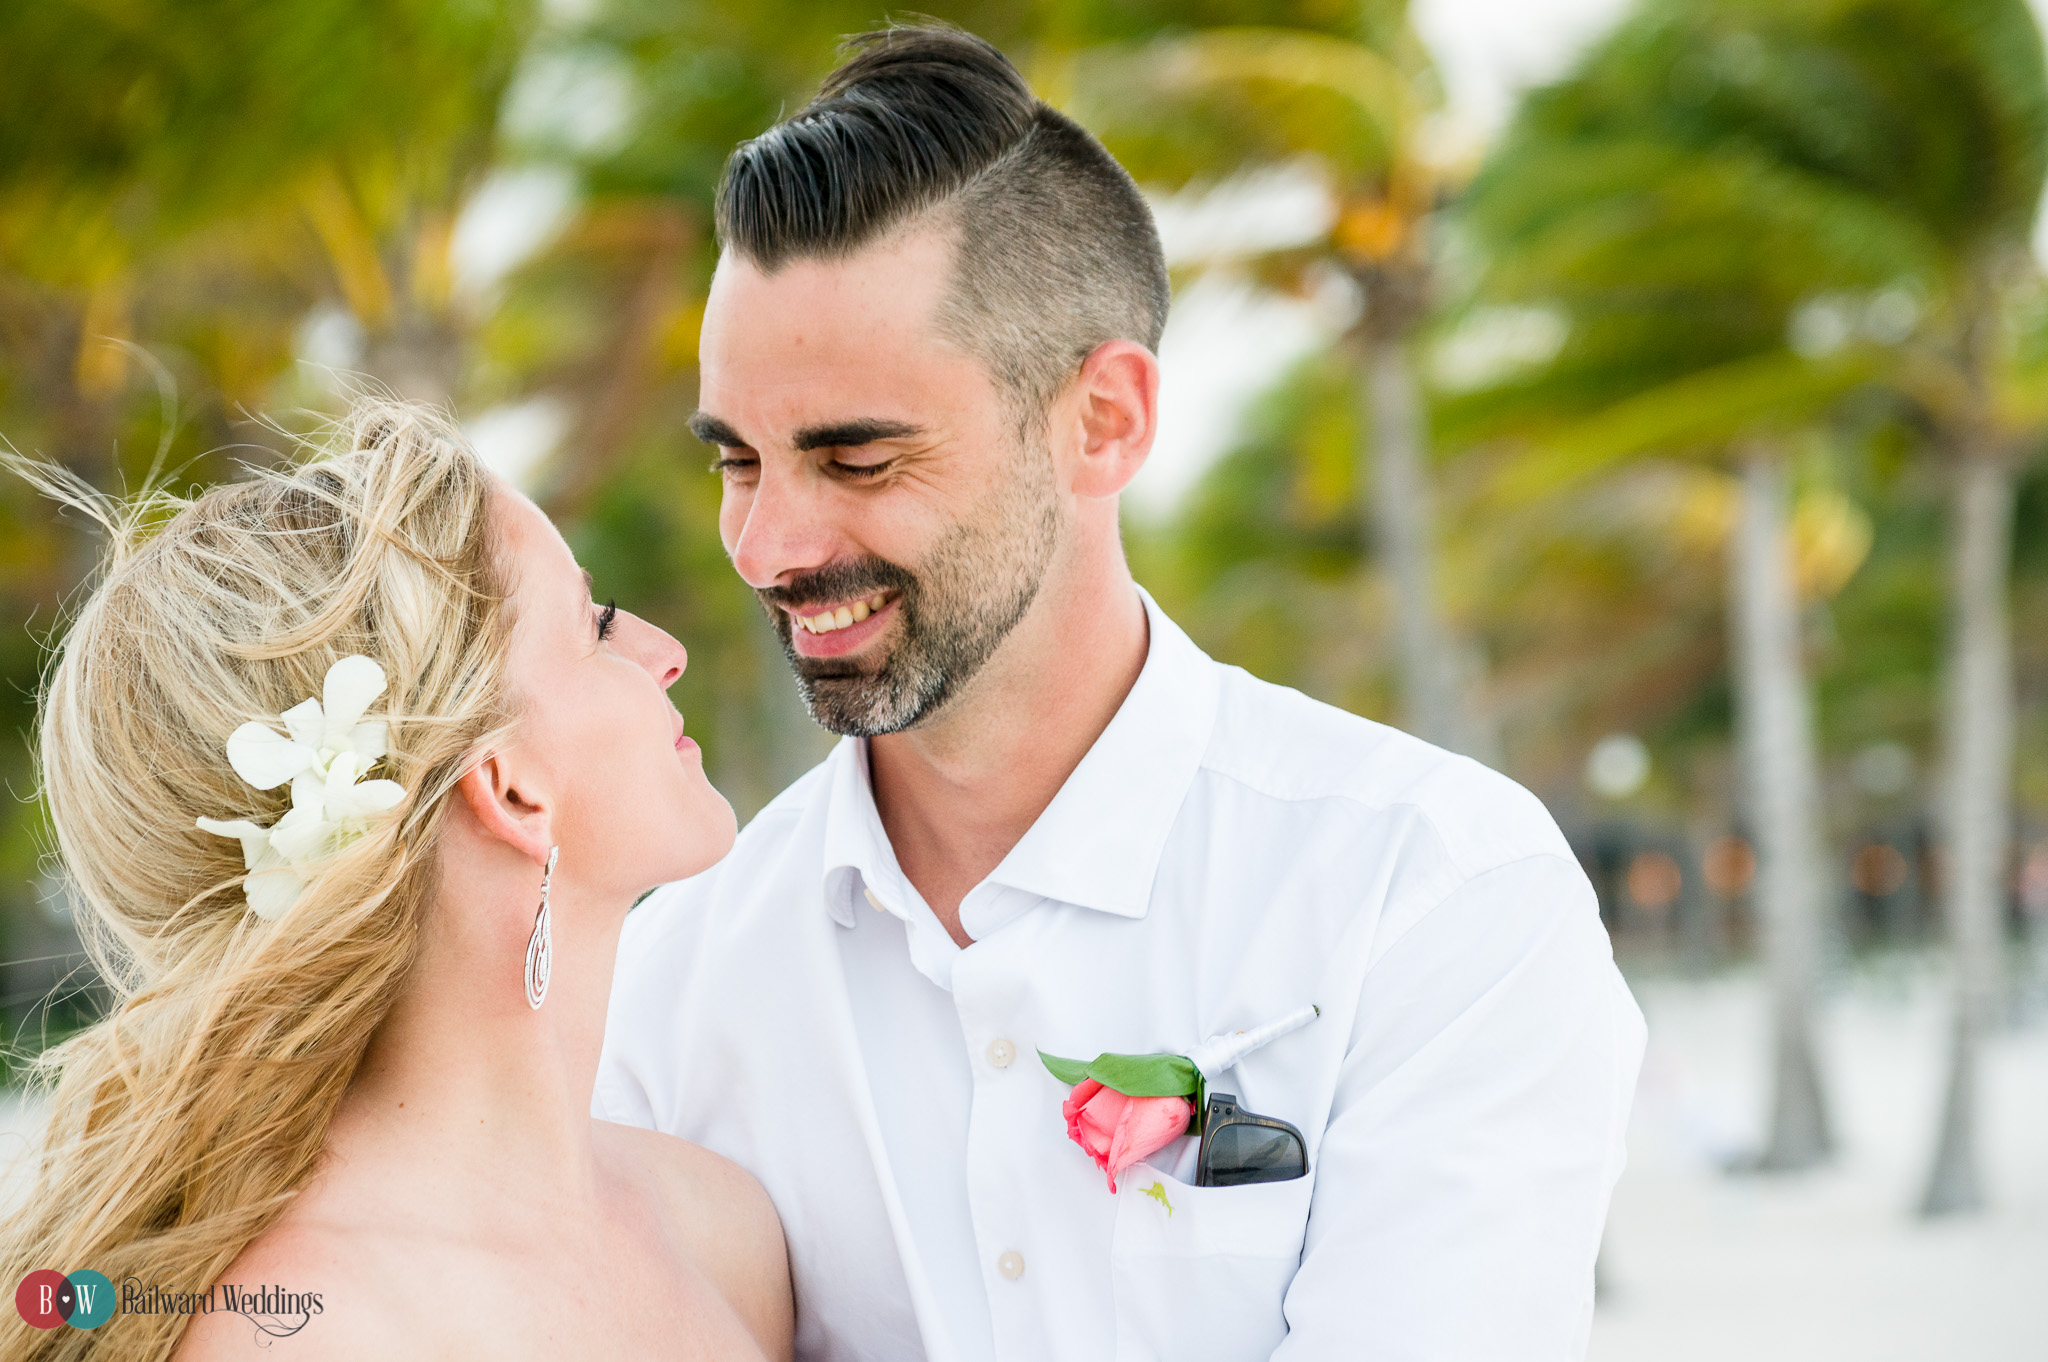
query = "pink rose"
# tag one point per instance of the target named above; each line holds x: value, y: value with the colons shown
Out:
x: 1118, y: 1130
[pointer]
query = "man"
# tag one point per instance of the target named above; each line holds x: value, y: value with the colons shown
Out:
x: 1055, y: 826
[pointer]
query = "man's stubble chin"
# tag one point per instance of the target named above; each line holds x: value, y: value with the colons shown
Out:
x: 954, y: 610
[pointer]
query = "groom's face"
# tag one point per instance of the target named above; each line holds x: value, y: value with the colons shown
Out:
x: 879, y: 496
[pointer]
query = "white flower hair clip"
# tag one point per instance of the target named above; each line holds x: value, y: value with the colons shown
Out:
x: 329, y: 747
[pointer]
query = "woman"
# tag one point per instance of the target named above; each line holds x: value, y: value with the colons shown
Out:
x: 363, y: 948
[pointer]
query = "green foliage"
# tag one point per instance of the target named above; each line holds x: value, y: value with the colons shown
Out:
x: 1934, y: 108
x: 1131, y: 1075
x: 1879, y: 681
x: 1773, y: 393
x: 159, y: 171
x: 143, y: 123
x: 1267, y: 564
x: 1205, y: 104
x: 1716, y: 164
x: 1718, y: 175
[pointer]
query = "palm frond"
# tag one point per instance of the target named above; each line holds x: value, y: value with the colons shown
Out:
x: 1215, y: 101
x: 1704, y: 411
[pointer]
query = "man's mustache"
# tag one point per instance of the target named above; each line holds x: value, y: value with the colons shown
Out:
x: 838, y: 582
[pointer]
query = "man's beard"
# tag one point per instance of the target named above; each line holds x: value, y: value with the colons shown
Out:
x: 953, y: 611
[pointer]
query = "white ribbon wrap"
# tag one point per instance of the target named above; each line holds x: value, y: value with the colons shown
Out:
x: 1218, y: 1053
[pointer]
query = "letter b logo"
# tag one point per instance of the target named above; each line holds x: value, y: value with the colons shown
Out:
x: 43, y: 1298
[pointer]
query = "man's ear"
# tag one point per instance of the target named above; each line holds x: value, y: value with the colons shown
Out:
x: 1118, y: 391
x: 507, y: 808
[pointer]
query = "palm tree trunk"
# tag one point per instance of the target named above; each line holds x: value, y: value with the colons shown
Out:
x: 1774, y: 716
x: 1403, y: 521
x: 1977, y: 726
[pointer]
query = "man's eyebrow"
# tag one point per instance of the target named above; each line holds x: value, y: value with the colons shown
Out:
x: 713, y: 431
x: 853, y: 434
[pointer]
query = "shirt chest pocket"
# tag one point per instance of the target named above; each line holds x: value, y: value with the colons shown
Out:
x: 1199, y: 1272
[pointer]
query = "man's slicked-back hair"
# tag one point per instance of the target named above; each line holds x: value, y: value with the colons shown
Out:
x: 1056, y: 249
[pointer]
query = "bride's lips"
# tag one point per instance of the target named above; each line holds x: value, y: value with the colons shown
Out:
x: 840, y: 639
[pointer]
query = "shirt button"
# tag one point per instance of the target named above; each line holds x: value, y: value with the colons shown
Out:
x: 1000, y: 1053
x: 1011, y: 1265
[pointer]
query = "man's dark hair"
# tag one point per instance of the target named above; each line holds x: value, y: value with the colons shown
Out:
x: 1056, y: 249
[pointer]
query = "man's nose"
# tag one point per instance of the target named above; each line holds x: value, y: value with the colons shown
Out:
x: 782, y: 527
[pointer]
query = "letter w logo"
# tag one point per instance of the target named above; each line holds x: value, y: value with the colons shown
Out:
x: 85, y: 1290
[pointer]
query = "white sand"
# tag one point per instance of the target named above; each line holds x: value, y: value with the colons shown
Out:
x: 1833, y: 1264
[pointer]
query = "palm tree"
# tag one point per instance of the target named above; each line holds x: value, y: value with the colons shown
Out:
x: 153, y: 139
x: 1955, y: 143
x: 1675, y: 269
x: 1205, y: 104
x: 1892, y: 192
x: 1775, y: 721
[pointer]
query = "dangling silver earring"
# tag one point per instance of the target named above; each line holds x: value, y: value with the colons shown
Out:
x: 540, y: 947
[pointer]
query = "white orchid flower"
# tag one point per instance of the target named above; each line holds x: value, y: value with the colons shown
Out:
x: 273, y: 884
x: 329, y: 747
x: 317, y: 733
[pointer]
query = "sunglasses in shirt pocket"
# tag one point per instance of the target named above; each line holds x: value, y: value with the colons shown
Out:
x: 1199, y: 1273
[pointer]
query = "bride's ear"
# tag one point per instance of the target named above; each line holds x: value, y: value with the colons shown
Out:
x: 506, y: 808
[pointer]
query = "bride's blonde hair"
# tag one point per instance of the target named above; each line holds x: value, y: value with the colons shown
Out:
x: 181, y: 1126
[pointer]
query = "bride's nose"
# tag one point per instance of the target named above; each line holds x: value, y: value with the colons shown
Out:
x: 655, y: 649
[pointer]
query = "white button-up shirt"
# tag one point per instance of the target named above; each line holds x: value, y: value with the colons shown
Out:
x: 1227, y: 852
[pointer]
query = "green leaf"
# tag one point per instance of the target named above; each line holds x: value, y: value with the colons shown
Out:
x: 1132, y: 1075
x: 1147, y: 1075
x: 1711, y: 407
x: 1067, y: 1071
x: 1202, y: 103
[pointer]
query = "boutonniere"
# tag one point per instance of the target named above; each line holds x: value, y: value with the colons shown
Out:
x: 1122, y: 1109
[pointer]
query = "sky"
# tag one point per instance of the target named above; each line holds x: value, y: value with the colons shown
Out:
x: 1489, y: 51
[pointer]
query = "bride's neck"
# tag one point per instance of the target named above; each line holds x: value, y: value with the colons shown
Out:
x: 463, y: 1063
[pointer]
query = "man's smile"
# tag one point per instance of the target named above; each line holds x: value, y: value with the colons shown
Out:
x: 826, y: 619
x: 835, y: 630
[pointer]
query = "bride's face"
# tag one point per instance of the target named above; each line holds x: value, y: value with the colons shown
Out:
x: 632, y: 806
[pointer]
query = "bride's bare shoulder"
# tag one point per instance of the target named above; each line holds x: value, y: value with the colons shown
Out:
x: 720, y: 1196
x: 296, y: 1295
x: 725, y: 1218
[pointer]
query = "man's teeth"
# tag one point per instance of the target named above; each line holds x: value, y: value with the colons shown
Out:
x: 825, y: 621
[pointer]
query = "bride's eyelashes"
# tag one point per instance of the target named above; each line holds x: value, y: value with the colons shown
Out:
x: 605, y: 619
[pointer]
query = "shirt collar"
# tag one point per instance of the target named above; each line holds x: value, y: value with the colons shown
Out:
x: 1098, y: 844
x: 854, y: 839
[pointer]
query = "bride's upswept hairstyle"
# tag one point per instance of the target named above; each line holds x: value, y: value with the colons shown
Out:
x: 181, y: 1126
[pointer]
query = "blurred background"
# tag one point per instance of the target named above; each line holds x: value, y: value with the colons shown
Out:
x: 1645, y: 397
